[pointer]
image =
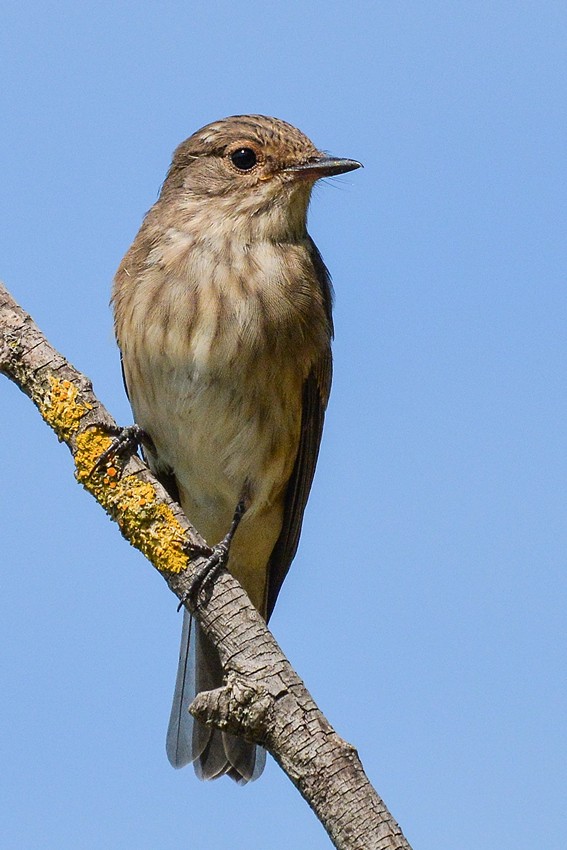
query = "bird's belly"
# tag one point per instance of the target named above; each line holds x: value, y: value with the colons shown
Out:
x: 221, y: 433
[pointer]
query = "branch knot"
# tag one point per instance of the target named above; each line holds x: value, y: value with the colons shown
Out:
x: 238, y: 707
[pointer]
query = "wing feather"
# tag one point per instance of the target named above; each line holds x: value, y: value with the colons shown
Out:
x: 314, y: 402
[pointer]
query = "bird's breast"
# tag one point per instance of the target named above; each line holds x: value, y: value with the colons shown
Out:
x: 216, y: 344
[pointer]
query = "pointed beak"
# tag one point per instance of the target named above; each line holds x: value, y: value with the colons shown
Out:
x: 323, y: 166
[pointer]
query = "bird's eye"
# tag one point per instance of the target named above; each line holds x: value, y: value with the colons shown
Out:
x: 244, y: 159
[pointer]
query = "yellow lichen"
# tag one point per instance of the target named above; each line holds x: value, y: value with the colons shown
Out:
x: 90, y: 445
x: 150, y: 526
x: 60, y: 407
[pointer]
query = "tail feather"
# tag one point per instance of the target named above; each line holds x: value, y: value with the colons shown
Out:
x: 180, y: 730
x: 214, y: 753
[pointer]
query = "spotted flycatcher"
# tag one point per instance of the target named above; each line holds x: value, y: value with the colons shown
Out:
x: 223, y: 317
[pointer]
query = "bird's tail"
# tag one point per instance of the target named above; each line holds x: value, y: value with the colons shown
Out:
x: 214, y: 753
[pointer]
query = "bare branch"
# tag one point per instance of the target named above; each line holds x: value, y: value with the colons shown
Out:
x: 263, y: 699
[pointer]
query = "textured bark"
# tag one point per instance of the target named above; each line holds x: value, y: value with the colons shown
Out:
x: 263, y: 699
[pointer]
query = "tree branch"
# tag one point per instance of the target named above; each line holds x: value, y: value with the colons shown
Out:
x: 263, y: 699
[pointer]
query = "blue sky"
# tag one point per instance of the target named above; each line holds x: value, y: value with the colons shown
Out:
x: 426, y: 606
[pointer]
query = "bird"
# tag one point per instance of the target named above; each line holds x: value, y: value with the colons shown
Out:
x: 223, y: 317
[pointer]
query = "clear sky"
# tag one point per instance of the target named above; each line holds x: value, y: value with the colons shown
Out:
x: 426, y: 606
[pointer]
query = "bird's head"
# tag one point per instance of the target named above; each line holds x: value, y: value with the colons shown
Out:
x: 257, y: 171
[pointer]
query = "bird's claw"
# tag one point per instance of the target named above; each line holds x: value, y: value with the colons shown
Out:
x: 206, y: 573
x: 217, y: 558
x: 127, y: 442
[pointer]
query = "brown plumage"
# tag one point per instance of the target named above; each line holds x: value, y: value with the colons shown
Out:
x: 223, y: 318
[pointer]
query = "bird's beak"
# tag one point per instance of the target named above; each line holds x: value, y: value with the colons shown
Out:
x: 323, y: 166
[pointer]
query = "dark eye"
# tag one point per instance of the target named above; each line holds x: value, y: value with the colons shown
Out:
x: 244, y: 159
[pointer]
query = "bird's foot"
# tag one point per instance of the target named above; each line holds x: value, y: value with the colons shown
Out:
x: 217, y: 558
x: 127, y: 441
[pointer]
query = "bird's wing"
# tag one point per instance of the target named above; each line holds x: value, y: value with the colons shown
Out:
x: 315, y: 396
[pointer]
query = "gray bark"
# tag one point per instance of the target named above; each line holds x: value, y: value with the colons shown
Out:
x: 263, y: 699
